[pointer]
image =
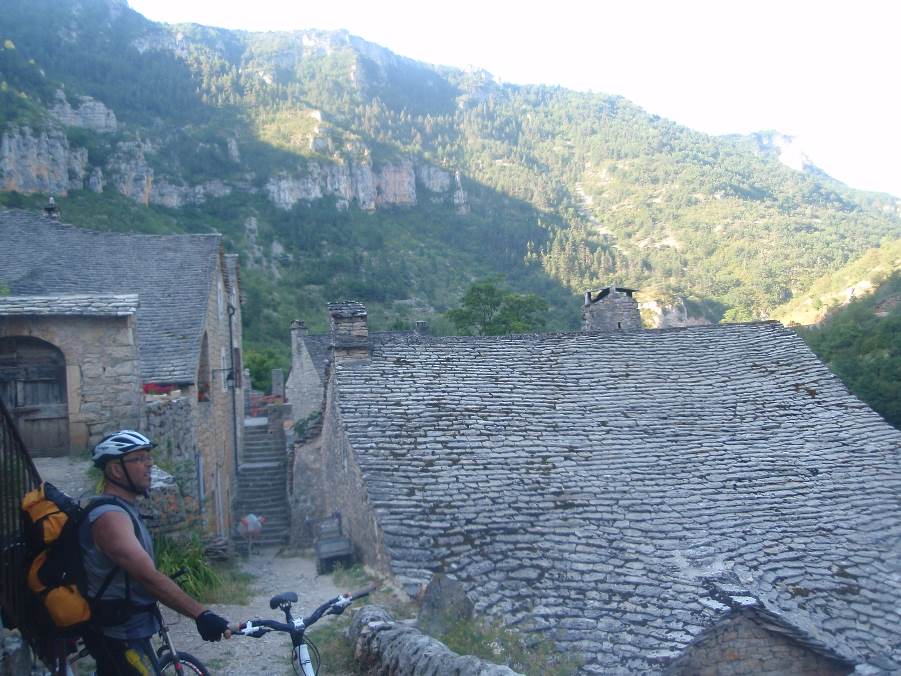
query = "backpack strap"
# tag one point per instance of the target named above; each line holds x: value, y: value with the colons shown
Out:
x: 111, y: 500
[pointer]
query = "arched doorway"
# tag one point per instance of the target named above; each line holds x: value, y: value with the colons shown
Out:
x: 33, y: 387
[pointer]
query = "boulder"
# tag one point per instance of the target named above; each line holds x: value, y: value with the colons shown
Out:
x: 444, y: 603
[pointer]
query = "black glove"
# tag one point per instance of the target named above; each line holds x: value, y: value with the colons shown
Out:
x: 211, y: 626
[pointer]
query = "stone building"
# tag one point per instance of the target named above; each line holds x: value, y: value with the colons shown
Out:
x: 685, y: 501
x: 100, y: 331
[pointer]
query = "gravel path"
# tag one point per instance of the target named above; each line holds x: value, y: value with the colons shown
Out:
x: 270, y: 654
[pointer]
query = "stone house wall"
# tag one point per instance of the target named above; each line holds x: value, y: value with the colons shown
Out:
x: 343, y: 488
x: 304, y: 387
x: 740, y: 645
x: 102, y: 371
x: 306, y: 470
x: 168, y: 422
x: 213, y: 416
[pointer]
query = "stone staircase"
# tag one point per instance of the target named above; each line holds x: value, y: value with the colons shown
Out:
x: 263, y: 483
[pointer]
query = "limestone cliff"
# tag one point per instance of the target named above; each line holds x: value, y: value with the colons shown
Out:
x: 40, y: 162
x: 45, y: 161
x: 656, y: 314
x: 89, y: 113
x: 371, y: 187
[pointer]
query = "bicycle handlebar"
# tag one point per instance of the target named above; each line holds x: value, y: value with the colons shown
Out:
x: 256, y: 627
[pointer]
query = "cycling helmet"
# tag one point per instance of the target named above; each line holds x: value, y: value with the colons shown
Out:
x: 118, y: 444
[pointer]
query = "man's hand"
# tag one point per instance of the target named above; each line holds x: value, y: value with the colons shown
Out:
x: 211, y: 626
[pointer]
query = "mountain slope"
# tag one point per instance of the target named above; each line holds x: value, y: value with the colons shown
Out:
x: 339, y: 169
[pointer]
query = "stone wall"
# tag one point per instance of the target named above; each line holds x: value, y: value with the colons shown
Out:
x: 383, y: 646
x: 170, y: 509
x: 740, y: 645
x: 169, y: 423
x: 305, y: 482
x: 342, y: 489
x: 102, y: 371
x: 213, y: 416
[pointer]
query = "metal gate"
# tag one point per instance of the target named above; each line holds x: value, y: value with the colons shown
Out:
x: 17, y: 476
x: 33, y: 385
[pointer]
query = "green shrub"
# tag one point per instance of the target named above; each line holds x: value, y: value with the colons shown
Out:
x: 493, y: 642
x: 200, y: 578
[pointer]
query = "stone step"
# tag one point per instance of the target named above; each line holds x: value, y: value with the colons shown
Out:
x: 264, y: 456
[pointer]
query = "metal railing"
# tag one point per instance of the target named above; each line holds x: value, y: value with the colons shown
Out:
x: 18, y: 475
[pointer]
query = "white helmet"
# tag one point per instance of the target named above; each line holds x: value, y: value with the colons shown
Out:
x: 118, y: 444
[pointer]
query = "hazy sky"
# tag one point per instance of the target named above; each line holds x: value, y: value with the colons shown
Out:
x: 825, y: 72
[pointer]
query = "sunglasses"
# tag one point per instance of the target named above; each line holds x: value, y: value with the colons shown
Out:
x: 145, y: 459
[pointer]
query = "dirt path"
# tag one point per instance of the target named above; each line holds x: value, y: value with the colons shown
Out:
x: 270, y: 654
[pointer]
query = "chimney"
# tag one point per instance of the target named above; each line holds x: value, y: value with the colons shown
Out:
x: 51, y: 210
x: 610, y: 309
x: 421, y: 328
x: 298, y: 331
x: 349, y: 326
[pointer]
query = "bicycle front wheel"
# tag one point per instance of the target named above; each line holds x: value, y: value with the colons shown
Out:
x: 190, y: 665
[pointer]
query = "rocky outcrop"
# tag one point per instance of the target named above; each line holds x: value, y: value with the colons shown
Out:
x: 460, y: 199
x: 659, y: 315
x: 383, y: 646
x: 391, y: 184
x: 130, y: 174
x: 434, y: 179
x: 168, y: 194
x: 88, y: 113
x: 40, y: 162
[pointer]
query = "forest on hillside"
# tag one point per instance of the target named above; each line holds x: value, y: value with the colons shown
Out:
x: 565, y: 190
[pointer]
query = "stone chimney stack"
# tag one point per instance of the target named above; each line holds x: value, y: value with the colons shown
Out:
x: 349, y: 326
x: 610, y: 309
x: 421, y: 327
x: 298, y: 331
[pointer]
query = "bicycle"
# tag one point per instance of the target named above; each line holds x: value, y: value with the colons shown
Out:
x: 171, y: 661
x: 302, y: 647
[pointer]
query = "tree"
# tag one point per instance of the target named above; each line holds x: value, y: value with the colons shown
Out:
x: 488, y: 310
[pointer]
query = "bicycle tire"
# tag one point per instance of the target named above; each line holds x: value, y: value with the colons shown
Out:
x: 190, y: 665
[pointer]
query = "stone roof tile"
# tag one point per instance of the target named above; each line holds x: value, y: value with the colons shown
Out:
x: 81, y: 305
x: 614, y: 477
x: 171, y: 274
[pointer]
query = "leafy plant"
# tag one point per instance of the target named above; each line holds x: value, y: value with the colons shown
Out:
x: 200, y: 578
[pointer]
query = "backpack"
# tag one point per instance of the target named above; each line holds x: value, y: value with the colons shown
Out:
x: 56, y: 573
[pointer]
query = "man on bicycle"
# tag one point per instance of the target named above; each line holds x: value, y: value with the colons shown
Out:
x: 122, y: 580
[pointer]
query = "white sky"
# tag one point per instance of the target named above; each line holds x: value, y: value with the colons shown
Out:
x: 826, y: 72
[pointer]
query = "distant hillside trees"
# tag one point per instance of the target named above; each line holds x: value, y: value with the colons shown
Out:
x: 861, y: 343
x: 489, y: 310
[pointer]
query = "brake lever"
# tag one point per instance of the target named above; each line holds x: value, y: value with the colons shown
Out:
x: 248, y: 629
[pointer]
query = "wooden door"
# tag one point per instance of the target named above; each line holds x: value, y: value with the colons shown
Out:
x: 33, y: 386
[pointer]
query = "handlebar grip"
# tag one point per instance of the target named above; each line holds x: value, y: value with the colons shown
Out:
x: 360, y: 593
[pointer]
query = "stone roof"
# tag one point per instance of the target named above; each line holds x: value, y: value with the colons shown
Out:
x: 80, y: 305
x: 319, y: 346
x: 171, y: 274
x: 604, y: 486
